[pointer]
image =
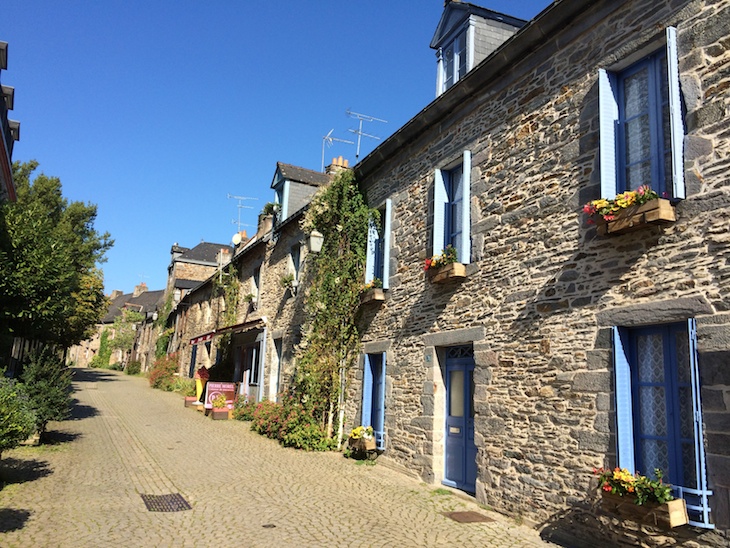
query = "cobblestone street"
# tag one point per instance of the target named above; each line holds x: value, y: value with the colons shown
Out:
x: 125, y: 439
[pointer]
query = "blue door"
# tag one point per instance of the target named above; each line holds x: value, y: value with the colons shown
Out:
x: 461, y: 452
x: 373, y: 396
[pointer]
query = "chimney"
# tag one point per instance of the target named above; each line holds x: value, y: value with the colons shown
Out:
x: 337, y: 165
x: 224, y: 256
x: 116, y: 293
x: 138, y: 290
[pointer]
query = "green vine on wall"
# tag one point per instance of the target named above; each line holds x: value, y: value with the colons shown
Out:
x: 331, y: 341
x: 227, y: 285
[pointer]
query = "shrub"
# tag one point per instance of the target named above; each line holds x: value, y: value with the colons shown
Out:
x: 162, y: 373
x: 243, y: 409
x: 116, y: 366
x: 47, y: 382
x: 17, y: 420
x: 182, y: 385
x: 289, y: 423
x: 134, y: 368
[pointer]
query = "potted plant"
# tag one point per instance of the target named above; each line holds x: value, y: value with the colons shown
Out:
x: 444, y: 267
x: 289, y: 282
x: 640, y: 498
x: 250, y: 299
x: 220, y: 407
x: 372, y: 291
x: 629, y: 211
x: 362, y: 439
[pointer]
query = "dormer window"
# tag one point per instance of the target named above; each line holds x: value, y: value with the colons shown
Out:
x: 454, y: 61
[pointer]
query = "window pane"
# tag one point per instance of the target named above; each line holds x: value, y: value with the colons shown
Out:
x: 456, y: 394
x: 636, y: 93
x: 638, y: 139
x: 654, y: 455
x: 653, y: 411
x: 689, y: 478
x: 461, y: 55
x: 637, y: 175
x: 650, y: 354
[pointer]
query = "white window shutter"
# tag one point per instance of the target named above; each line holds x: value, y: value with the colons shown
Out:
x: 608, y: 118
x: 386, y: 243
x: 675, y: 115
x: 370, y: 258
x: 624, y: 411
x: 465, y: 251
x: 439, y: 208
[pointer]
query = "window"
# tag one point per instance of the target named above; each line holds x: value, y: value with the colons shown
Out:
x: 295, y: 258
x: 452, y: 220
x: 658, y: 412
x: 256, y: 283
x: 281, y: 197
x: 278, y: 355
x: 454, y: 63
x: 641, y: 127
x: 377, y: 263
x: 373, y: 396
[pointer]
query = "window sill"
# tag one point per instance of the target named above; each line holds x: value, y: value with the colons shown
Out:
x: 659, y: 211
x: 453, y: 272
x: 375, y: 294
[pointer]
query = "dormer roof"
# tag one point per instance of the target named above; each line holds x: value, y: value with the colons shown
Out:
x: 456, y: 13
x: 298, y: 175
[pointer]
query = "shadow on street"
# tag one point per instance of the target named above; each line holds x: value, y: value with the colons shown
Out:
x: 14, y: 470
x: 12, y: 520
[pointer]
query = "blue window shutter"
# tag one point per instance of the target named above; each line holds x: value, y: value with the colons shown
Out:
x: 624, y: 412
x: 367, y: 392
x: 193, y: 356
x: 675, y: 114
x: 372, y: 251
x: 608, y: 118
x: 465, y: 251
x: 440, y: 198
x: 386, y: 244
x: 703, y: 509
x: 380, y: 427
x: 284, y: 209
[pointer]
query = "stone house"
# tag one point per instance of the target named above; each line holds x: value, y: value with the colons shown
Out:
x: 9, y: 131
x: 269, y: 268
x: 557, y: 348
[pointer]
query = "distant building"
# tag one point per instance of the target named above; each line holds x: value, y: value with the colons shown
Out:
x: 10, y: 131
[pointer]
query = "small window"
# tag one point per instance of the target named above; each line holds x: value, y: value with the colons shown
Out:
x: 295, y: 259
x: 256, y: 283
x: 641, y: 126
x: 373, y: 396
x: 377, y: 264
x: 454, y: 61
x: 452, y: 217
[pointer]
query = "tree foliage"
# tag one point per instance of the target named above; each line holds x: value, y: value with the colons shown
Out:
x: 331, y: 340
x: 124, y: 329
x: 50, y: 287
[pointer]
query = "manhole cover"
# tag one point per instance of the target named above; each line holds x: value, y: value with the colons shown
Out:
x: 467, y: 517
x: 166, y: 503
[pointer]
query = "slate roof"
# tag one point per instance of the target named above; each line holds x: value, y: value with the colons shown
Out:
x: 302, y: 175
x: 204, y: 252
x: 186, y: 284
x: 457, y: 12
x: 145, y: 302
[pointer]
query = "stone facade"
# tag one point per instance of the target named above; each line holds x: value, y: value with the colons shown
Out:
x: 543, y: 290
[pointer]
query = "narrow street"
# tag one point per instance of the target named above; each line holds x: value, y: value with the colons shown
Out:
x: 126, y: 440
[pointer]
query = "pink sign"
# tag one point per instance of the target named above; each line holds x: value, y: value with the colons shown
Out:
x: 215, y: 389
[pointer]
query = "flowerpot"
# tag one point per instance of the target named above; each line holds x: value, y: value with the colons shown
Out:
x: 190, y: 400
x: 220, y: 414
x: 659, y: 211
x: 666, y: 516
x: 448, y: 273
x: 372, y: 295
x: 363, y: 444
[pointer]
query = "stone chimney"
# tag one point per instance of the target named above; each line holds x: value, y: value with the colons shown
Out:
x: 266, y: 224
x: 138, y: 290
x: 116, y: 293
x: 224, y: 256
x: 337, y: 165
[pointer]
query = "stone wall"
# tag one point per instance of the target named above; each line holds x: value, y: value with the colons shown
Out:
x: 541, y: 277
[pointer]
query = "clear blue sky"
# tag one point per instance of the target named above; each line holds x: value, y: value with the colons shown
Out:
x: 156, y: 110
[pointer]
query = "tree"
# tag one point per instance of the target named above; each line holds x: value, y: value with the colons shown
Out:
x: 47, y: 382
x: 125, y: 330
x: 17, y: 421
x: 50, y: 288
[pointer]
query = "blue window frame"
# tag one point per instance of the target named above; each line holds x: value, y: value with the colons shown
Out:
x: 454, y: 60
x: 641, y: 126
x: 658, y: 411
x: 296, y: 260
x: 373, y: 396
x: 377, y: 262
x: 452, y: 215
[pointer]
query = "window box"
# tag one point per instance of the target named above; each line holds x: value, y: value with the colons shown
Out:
x: 375, y: 294
x: 665, y: 516
x: 220, y: 414
x: 659, y: 211
x: 363, y: 445
x: 452, y: 272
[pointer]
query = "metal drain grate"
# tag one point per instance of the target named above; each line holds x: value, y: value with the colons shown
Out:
x: 166, y: 503
x: 467, y: 517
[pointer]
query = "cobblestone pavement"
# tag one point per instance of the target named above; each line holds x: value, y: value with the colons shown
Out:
x: 125, y: 440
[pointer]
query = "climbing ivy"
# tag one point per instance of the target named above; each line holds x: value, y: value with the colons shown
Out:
x: 331, y: 338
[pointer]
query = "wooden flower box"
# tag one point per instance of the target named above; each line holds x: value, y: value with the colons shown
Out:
x: 190, y: 400
x: 653, y: 212
x: 448, y: 273
x: 665, y: 516
x: 362, y: 444
x: 372, y: 295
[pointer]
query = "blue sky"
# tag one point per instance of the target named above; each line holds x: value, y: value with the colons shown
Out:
x: 156, y: 110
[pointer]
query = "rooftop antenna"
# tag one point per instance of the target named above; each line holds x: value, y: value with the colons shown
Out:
x: 240, y: 206
x: 329, y: 140
x: 362, y: 118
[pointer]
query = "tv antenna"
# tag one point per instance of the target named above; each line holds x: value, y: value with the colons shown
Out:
x: 240, y: 206
x: 362, y: 118
x: 329, y: 140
